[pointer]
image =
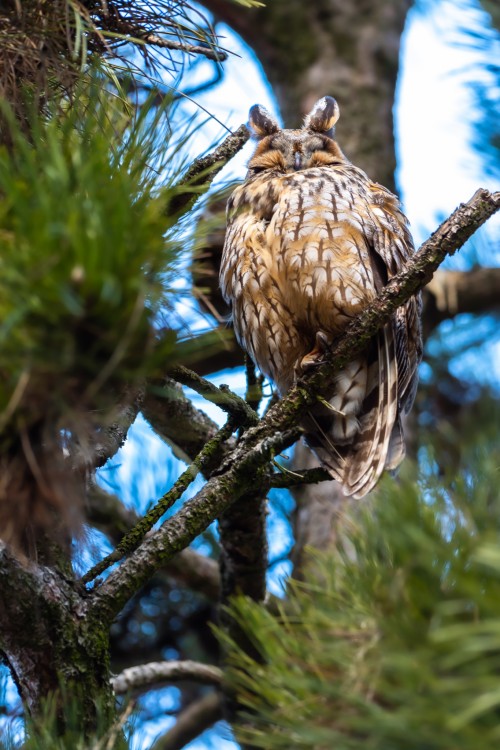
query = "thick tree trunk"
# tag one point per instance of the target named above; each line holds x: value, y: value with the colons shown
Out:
x: 53, y: 647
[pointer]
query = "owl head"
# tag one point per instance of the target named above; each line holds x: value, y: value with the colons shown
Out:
x: 313, y: 145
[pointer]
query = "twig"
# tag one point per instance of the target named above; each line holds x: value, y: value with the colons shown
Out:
x: 243, y: 469
x: 221, y: 396
x: 203, y: 170
x: 292, y: 478
x: 172, y: 416
x: 194, y: 720
x: 147, y: 675
x: 218, y: 55
x: 141, y: 36
x: 134, y: 537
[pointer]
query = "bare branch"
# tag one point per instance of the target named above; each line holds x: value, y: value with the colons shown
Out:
x: 147, y: 676
x: 136, y: 35
x: 174, y: 418
x: 203, y: 170
x: 245, y: 468
x: 221, y: 396
x: 194, y: 720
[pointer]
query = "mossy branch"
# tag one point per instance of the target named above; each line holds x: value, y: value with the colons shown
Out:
x: 203, y: 170
x: 245, y: 467
x: 221, y: 396
x: 247, y: 473
x: 133, y: 538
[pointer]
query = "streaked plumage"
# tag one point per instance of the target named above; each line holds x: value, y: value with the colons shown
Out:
x: 310, y: 241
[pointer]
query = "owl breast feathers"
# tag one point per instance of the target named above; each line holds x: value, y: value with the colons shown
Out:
x: 310, y: 242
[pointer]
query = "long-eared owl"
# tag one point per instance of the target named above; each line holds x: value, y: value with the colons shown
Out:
x: 310, y: 242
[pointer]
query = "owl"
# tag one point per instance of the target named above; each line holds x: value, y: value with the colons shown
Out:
x: 310, y: 241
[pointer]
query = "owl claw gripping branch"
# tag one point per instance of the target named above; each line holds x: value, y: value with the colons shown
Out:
x: 310, y: 242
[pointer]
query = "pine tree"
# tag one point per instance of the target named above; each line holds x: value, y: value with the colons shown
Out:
x: 394, y: 640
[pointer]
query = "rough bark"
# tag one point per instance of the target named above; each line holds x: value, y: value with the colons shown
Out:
x: 50, y: 641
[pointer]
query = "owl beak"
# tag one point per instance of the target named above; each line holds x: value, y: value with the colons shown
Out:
x: 298, y: 161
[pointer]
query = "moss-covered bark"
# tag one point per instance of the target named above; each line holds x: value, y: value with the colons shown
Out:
x: 53, y: 647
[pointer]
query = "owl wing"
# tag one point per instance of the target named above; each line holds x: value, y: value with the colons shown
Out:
x: 393, y: 244
x: 392, y: 362
x: 358, y: 466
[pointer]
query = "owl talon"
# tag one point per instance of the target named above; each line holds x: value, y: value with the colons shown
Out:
x: 317, y: 355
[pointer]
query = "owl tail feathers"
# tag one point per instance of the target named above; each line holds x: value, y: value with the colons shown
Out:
x: 378, y: 442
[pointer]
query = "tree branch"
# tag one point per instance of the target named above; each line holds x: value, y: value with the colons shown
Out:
x: 134, y: 537
x: 197, y: 572
x: 136, y: 35
x: 203, y: 170
x: 243, y: 559
x: 244, y: 469
x: 194, y: 720
x: 148, y: 675
x: 174, y: 418
x: 221, y: 396
x: 191, y: 520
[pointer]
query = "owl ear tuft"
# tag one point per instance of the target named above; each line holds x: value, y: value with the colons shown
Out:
x: 261, y: 122
x: 323, y: 116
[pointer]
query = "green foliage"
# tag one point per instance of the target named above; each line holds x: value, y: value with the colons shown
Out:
x: 50, y: 732
x: 88, y: 248
x: 395, y: 640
